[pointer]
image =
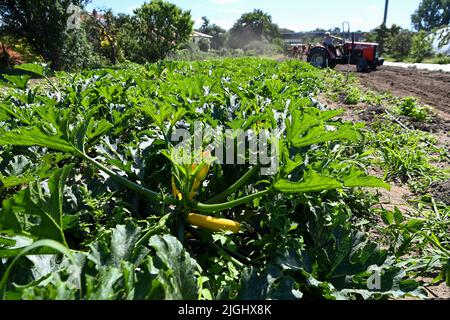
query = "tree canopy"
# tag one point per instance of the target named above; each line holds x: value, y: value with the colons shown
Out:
x: 43, y: 23
x: 159, y: 28
x: 217, y: 32
x: 256, y: 25
x: 431, y: 14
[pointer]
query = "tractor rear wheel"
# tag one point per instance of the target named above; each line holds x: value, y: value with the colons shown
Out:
x: 319, y: 58
x: 362, y: 65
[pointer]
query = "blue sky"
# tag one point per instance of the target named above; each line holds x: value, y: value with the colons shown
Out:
x: 298, y: 15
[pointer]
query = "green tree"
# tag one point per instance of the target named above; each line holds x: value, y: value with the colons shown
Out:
x: 219, y: 34
x: 421, y: 46
x: 204, y: 45
x: 129, y: 43
x: 103, y: 28
x: 286, y: 30
x: 205, y: 25
x: 256, y: 25
x: 43, y: 23
x: 157, y: 29
x: 78, y: 52
x: 384, y: 36
x: 431, y: 14
x: 336, y: 30
x: 399, y: 45
x: 379, y: 35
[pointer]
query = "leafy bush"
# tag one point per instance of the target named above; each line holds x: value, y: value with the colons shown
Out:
x: 441, y: 59
x: 373, y: 98
x: 103, y: 31
x: 43, y: 23
x: 388, y: 39
x: 157, y: 29
x: 353, y: 96
x: 190, y: 51
x: 129, y: 44
x: 22, y: 47
x: 204, y: 45
x: 422, y: 47
x: 399, y: 45
x: 252, y: 26
x: 77, y: 52
x: 410, y: 107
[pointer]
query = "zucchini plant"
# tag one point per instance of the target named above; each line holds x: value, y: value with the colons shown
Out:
x: 66, y: 130
x: 96, y: 149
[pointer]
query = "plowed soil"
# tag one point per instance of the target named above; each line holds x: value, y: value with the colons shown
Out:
x: 431, y: 87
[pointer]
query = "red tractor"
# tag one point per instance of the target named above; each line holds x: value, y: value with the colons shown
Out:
x: 362, y: 54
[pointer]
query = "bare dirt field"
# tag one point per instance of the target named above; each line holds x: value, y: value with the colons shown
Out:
x: 431, y: 87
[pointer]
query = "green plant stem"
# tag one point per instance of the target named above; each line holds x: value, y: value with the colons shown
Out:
x: 233, y: 259
x: 233, y: 188
x: 238, y: 256
x: 211, y: 208
x: 149, y: 233
x: 129, y: 184
x: 51, y: 83
x: 61, y: 232
x: 233, y: 256
x: 181, y: 227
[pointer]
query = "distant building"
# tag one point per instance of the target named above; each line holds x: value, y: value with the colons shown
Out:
x: 197, y: 36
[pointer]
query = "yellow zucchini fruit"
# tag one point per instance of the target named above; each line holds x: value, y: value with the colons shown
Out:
x: 176, y: 193
x: 214, y: 224
x: 203, y: 172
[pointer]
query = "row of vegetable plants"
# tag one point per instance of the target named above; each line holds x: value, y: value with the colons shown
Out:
x: 97, y: 205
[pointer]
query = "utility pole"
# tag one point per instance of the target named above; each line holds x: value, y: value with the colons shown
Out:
x: 386, y: 9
